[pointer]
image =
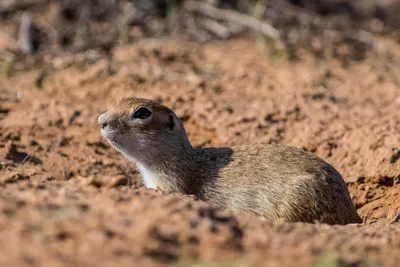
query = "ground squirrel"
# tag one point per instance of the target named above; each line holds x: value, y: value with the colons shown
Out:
x: 273, y: 181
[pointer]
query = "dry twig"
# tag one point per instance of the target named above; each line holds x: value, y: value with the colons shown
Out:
x: 396, y: 219
x: 13, y: 5
x: 231, y: 16
x: 25, y: 33
x: 216, y: 28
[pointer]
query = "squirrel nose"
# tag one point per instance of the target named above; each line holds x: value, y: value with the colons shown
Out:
x: 103, y: 120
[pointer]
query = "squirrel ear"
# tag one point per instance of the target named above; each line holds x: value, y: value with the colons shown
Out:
x: 171, y: 122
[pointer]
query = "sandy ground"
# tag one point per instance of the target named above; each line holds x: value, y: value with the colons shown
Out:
x: 68, y: 199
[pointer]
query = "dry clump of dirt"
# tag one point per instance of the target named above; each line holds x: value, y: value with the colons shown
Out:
x: 67, y: 198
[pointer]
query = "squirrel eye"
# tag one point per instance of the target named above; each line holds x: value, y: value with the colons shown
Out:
x: 142, y: 113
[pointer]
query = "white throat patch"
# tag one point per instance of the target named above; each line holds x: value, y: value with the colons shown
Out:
x: 149, y: 176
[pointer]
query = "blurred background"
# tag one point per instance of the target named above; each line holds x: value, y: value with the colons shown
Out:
x: 336, y: 28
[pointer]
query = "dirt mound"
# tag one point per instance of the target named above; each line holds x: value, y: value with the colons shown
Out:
x: 67, y: 198
x: 63, y: 224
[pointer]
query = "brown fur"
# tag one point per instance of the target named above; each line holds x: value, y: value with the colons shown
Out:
x: 266, y: 180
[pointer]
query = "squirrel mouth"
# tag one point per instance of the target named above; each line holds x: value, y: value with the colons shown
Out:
x: 114, y: 142
x: 111, y: 137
